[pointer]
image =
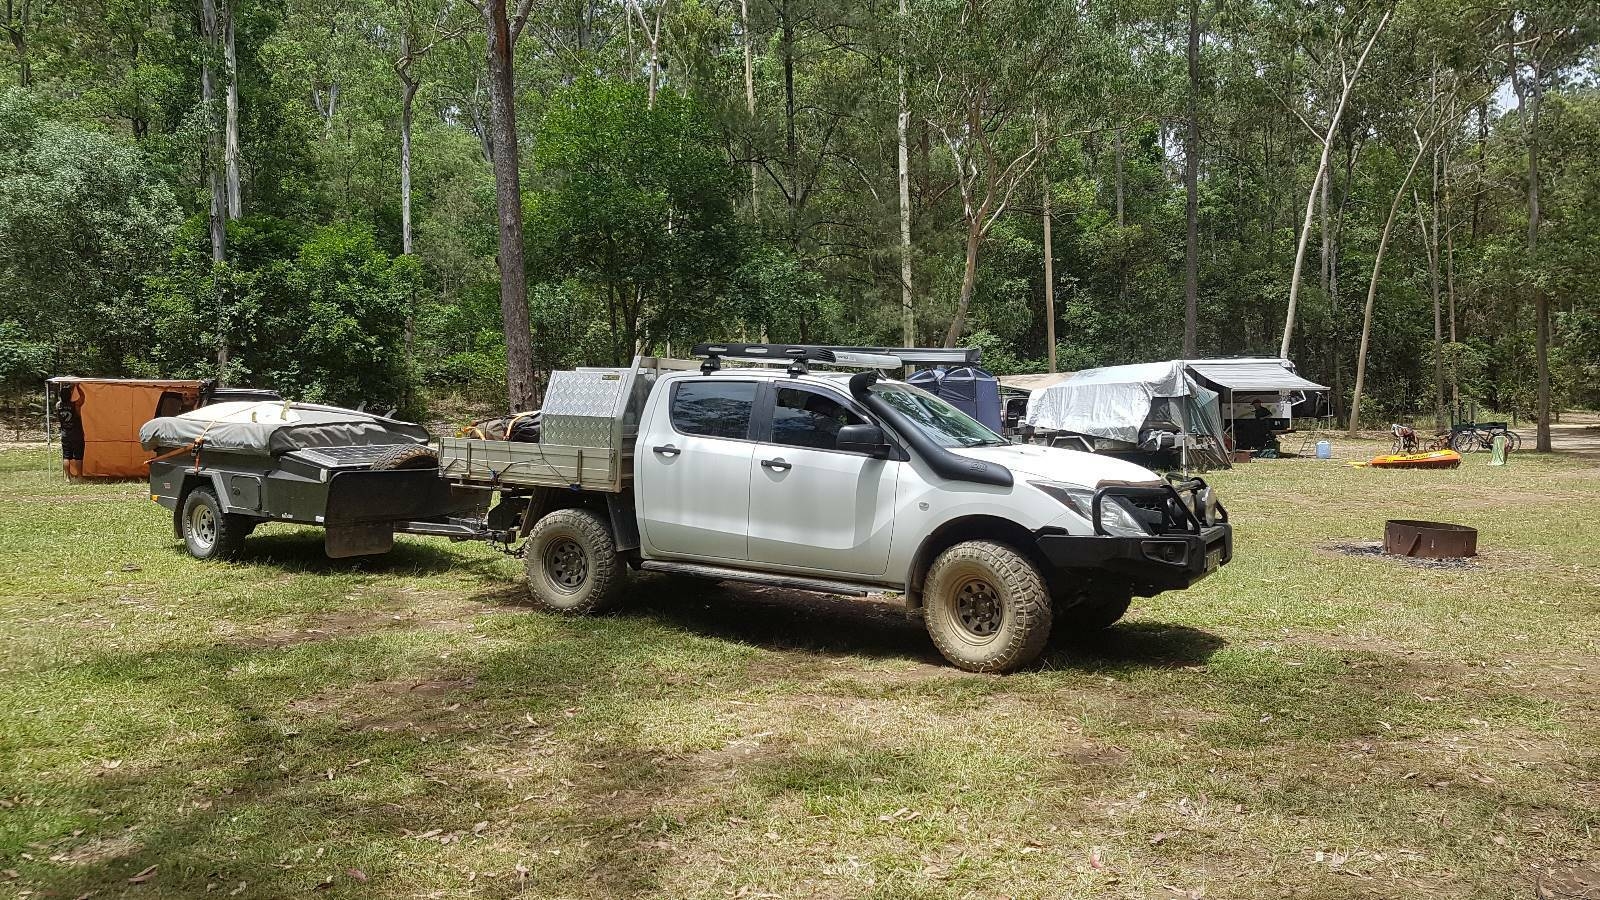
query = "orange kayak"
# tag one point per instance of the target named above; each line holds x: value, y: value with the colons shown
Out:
x: 1437, y: 459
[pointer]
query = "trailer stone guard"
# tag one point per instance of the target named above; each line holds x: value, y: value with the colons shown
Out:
x: 751, y: 463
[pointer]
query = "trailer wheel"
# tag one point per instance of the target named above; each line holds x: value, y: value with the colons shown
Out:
x: 407, y: 456
x: 208, y: 532
x: 986, y: 607
x: 572, y: 562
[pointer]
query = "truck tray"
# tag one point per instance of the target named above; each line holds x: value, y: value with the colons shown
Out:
x: 533, y: 465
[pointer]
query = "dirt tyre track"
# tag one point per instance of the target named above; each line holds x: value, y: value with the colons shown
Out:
x: 986, y: 607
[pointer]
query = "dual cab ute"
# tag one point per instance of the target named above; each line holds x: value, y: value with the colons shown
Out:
x: 831, y: 481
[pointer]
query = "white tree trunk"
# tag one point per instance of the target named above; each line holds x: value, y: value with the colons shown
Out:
x: 750, y: 99
x: 908, y: 318
x: 231, y: 145
x: 1316, y: 184
x: 408, y: 94
x: 1372, y: 290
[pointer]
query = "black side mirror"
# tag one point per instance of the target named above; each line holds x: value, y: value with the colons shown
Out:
x: 866, y: 439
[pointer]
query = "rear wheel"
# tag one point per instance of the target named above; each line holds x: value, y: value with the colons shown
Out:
x: 1464, y: 441
x: 572, y: 563
x: 986, y: 607
x: 208, y: 532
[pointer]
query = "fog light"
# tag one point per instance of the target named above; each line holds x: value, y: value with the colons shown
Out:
x: 1171, y: 552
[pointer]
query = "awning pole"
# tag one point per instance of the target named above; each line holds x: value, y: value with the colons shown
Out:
x: 47, y: 414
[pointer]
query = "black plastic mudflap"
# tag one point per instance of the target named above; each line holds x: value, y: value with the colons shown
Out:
x: 364, y: 507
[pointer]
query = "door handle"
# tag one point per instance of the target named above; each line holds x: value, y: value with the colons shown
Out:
x: 666, y: 450
x: 777, y: 465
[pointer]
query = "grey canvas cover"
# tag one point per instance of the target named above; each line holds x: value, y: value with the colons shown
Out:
x: 274, y: 428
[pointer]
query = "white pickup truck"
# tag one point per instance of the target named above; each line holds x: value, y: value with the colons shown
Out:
x: 840, y: 482
x: 835, y: 482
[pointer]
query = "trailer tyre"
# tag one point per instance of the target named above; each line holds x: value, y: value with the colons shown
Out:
x: 208, y: 532
x: 986, y: 607
x: 407, y: 456
x: 572, y: 562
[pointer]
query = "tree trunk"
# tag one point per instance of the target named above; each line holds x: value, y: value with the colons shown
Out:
x: 1191, y: 176
x: 750, y: 103
x: 16, y: 26
x: 408, y: 94
x: 212, y: 156
x: 1430, y: 238
x: 1541, y: 302
x: 908, y: 317
x: 1372, y: 291
x: 969, y: 278
x: 1450, y: 290
x: 231, y: 146
x: 1116, y: 139
x: 1049, y: 277
x: 520, y: 386
x: 1316, y: 183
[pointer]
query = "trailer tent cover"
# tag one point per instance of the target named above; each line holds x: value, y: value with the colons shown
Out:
x: 1114, y: 402
x: 274, y: 428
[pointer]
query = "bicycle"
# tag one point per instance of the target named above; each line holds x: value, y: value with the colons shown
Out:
x: 1472, y: 437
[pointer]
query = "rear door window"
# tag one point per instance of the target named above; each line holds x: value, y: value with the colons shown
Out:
x: 802, y: 418
x: 713, y: 408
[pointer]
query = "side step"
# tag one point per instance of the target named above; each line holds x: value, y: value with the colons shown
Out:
x: 793, y: 582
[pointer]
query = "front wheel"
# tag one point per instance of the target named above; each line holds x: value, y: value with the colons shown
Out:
x: 572, y: 563
x: 986, y: 607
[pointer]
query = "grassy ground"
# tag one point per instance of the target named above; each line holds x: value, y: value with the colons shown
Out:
x: 1308, y: 723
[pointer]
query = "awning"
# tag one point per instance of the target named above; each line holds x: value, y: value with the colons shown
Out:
x: 1251, y: 375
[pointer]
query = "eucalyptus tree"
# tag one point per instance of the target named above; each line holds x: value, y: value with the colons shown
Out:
x: 984, y: 68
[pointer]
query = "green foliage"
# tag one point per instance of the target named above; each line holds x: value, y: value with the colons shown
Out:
x: 82, y: 219
x: 636, y: 203
x: 327, y: 323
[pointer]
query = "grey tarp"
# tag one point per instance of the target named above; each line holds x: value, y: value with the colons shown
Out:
x: 274, y: 428
x: 1114, y: 402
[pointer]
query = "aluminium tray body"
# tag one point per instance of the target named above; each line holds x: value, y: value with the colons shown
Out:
x: 589, y: 421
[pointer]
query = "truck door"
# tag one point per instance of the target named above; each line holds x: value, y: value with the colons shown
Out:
x: 812, y: 506
x: 692, y: 470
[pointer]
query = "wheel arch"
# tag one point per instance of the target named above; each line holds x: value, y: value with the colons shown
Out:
x: 192, y: 480
x: 979, y: 527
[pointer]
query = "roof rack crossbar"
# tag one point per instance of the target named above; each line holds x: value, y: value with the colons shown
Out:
x: 797, y: 356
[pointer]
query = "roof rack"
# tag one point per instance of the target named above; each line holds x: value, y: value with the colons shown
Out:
x: 799, y: 355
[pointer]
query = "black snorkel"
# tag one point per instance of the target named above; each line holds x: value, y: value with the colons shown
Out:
x: 951, y: 466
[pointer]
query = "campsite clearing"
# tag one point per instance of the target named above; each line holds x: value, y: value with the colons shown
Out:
x: 1308, y: 723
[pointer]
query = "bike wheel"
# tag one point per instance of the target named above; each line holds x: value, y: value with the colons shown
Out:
x: 1513, y: 440
x: 1464, y: 441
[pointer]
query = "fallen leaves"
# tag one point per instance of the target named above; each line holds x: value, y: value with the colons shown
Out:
x: 143, y: 876
x: 903, y: 814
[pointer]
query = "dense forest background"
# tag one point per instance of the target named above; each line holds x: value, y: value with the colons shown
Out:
x: 356, y: 199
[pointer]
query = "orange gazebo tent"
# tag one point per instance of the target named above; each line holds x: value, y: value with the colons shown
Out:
x: 100, y: 419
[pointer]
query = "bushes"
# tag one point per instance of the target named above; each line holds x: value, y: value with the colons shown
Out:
x: 326, y: 324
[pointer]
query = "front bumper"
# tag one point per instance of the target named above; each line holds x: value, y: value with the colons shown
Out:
x: 1183, y: 545
x: 1157, y: 562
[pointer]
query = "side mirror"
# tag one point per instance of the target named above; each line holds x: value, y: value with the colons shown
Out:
x: 866, y: 439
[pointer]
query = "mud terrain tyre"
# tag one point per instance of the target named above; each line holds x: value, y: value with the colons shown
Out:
x: 572, y: 563
x: 986, y: 607
x: 406, y: 456
x: 208, y: 532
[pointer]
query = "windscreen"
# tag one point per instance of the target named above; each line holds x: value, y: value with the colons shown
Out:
x: 943, y: 423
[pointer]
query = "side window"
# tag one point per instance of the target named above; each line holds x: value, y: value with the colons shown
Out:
x: 713, y: 408
x: 809, y: 419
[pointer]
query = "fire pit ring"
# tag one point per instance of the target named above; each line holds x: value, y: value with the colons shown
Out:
x: 1430, y: 540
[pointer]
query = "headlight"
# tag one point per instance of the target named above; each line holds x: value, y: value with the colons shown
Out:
x: 1114, y: 517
